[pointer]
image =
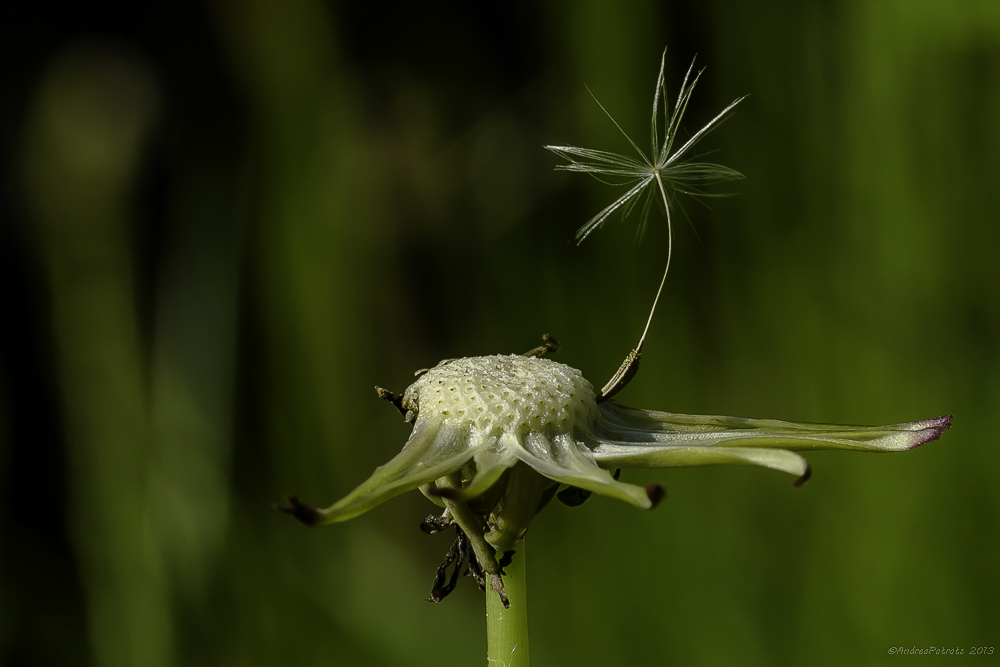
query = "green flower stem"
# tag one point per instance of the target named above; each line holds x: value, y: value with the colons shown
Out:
x: 507, y: 629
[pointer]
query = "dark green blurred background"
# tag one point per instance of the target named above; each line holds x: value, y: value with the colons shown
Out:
x: 224, y: 223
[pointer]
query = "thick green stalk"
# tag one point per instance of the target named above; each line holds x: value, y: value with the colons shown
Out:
x: 507, y: 629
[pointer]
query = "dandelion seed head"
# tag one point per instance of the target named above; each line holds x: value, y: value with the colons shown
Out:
x: 512, y: 394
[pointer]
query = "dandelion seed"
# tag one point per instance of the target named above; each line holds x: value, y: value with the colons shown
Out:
x: 665, y: 167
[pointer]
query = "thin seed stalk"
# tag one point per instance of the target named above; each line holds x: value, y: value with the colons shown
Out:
x: 666, y: 270
x: 507, y: 629
x: 630, y: 366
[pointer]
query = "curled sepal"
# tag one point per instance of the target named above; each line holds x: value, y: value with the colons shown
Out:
x: 559, y: 457
x: 429, y: 454
x: 631, y: 437
x: 487, y: 465
x: 676, y: 456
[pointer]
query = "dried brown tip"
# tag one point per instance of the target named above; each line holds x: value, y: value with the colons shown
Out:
x: 804, y: 477
x: 497, y: 585
x: 387, y: 395
x: 573, y: 496
x: 432, y: 525
x: 933, y: 428
x: 655, y: 493
x: 549, y: 345
x: 307, y: 514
